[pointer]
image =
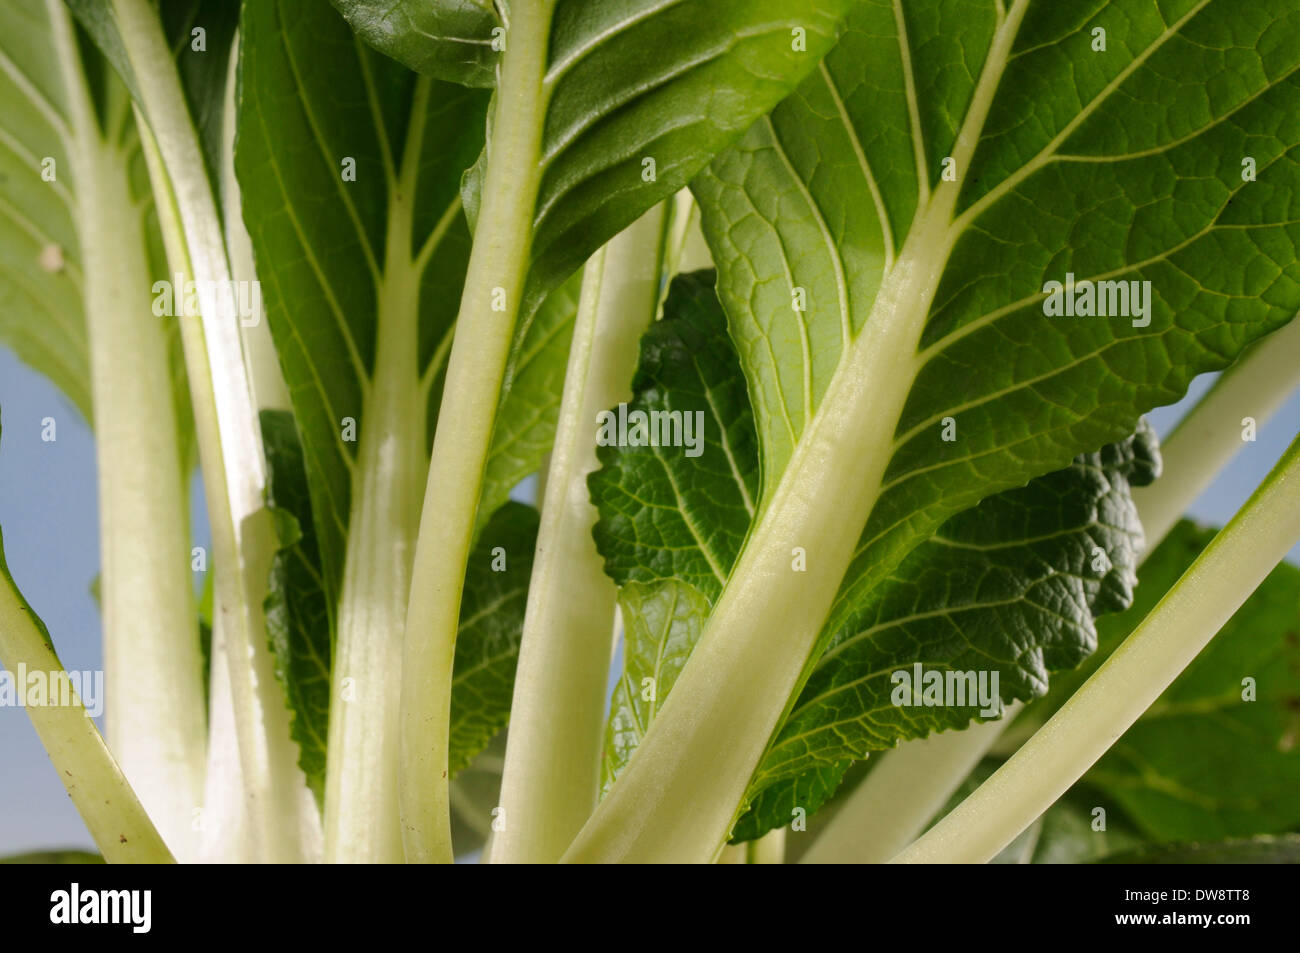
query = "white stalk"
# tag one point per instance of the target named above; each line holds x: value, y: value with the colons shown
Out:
x: 557, y: 717
x: 361, y: 800
x: 230, y: 454
x: 153, y: 672
x: 1215, y: 586
x: 226, y: 837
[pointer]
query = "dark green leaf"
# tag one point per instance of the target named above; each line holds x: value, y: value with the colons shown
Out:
x: 298, y: 613
x: 446, y: 39
x: 491, y: 623
x: 1010, y: 586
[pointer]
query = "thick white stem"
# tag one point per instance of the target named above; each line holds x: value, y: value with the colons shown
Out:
x: 494, y: 285
x: 229, y: 439
x: 154, y: 688
x: 361, y: 799
x: 1148, y: 661
x: 557, y: 717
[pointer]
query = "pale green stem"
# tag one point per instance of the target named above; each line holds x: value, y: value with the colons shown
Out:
x: 103, y: 797
x: 1215, y: 429
x: 768, y: 849
x: 705, y: 742
x: 361, y: 797
x: 154, y: 688
x: 476, y: 370
x: 1215, y: 586
x: 694, y: 253
x: 557, y: 718
x: 227, y: 432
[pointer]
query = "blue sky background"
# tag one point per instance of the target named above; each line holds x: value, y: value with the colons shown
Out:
x: 49, y: 515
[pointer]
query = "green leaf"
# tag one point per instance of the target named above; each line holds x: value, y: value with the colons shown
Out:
x: 1282, y: 849
x: 879, y: 296
x: 668, y: 516
x: 1118, y: 174
x: 530, y: 405
x: 446, y: 39
x: 298, y: 613
x: 1010, y: 586
x: 42, y: 308
x: 345, y: 263
x: 670, y: 80
x: 41, y: 314
x: 491, y: 622
x: 1109, y: 180
x: 1203, y: 763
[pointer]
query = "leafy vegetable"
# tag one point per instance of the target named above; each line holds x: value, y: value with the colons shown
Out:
x: 297, y: 607
x: 923, y: 302
x: 1010, y: 586
x: 876, y: 478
